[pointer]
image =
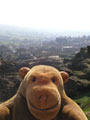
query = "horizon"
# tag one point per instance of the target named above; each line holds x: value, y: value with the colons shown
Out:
x: 27, y: 30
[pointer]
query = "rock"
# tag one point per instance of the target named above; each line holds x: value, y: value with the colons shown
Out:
x: 88, y: 48
x: 79, y: 59
x: 8, y: 86
x: 54, y: 61
x: 80, y: 77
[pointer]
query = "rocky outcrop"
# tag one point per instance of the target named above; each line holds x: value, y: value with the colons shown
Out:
x: 80, y: 77
x: 81, y: 58
x: 8, y: 85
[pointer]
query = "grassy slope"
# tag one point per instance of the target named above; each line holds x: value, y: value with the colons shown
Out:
x: 84, y: 103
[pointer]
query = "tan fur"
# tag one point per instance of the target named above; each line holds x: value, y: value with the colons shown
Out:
x: 41, y: 96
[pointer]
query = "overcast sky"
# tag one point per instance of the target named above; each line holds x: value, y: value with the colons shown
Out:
x: 47, y: 14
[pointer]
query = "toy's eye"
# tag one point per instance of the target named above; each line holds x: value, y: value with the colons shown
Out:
x: 53, y: 80
x: 33, y: 79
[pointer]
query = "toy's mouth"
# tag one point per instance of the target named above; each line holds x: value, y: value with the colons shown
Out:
x: 50, y: 108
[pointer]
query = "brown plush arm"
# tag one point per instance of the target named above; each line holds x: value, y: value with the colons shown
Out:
x: 72, y: 113
x: 4, y: 113
x: 20, y: 109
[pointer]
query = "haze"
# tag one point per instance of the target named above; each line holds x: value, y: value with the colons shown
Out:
x: 46, y: 14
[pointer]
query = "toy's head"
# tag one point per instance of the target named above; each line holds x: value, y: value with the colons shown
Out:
x: 43, y: 89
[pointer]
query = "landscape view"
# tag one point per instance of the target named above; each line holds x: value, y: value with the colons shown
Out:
x: 46, y: 32
x: 23, y: 47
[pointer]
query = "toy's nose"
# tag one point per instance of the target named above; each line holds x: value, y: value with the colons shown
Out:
x: 43, y: 99
x: 43, y: 79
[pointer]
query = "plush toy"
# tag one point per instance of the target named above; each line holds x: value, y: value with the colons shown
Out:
x: 41, y: 96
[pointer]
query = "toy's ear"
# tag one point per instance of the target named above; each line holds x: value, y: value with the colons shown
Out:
x: 65, y: 76
x: 23, y: 71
